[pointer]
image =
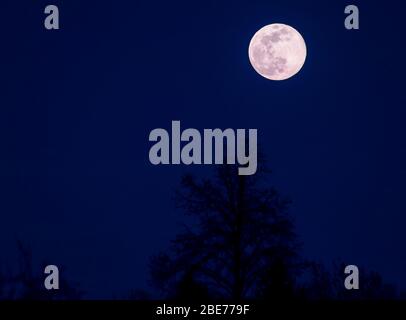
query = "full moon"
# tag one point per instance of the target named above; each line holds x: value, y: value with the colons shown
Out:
x: 277, y: 51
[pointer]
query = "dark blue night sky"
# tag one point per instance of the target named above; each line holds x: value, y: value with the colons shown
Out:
x: 77, y: 106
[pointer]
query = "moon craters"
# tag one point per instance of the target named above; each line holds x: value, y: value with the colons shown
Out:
x: 277, y: 51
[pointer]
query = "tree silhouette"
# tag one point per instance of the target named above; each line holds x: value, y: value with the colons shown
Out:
x: 328, y: 284
x: 240, y: 242
x: 26, y: 282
